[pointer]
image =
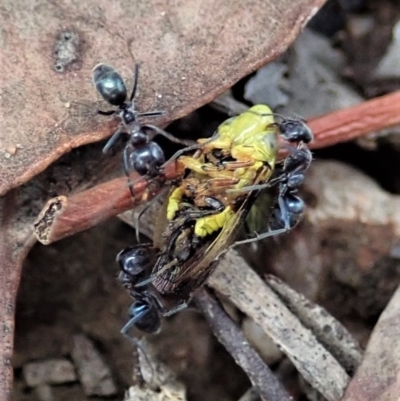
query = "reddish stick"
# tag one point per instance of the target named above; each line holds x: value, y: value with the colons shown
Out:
x: 63, y: 216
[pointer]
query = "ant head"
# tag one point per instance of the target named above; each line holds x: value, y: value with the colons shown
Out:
x: 134, y: 259
x: 296, y: 131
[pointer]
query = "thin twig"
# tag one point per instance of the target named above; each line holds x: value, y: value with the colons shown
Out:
x: 329, y: 332
x: 230, y: 335
x: 248, y: 292
x: 356, y: 121
x: 86, y: 209
x: 62, y: 216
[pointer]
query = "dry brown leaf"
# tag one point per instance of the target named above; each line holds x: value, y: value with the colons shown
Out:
x: 189, y: 51
x: 15, y: 241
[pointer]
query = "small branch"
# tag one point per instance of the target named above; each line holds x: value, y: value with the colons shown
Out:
x: 63, y: 216
x: 234, y: 279
x: 230, y: 335
x: 356, y: 121
x: 329, y: 332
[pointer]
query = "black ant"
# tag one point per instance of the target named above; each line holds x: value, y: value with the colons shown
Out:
x: 136, y: 263
x: 288, y: 208
x: 141, y: 153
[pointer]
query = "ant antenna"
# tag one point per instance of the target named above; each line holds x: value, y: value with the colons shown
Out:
x: 135, y: 83
x: 137, y: 344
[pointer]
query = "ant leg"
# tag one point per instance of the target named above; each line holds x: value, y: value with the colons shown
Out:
x: 135, y: 83
x: 105, y: 113
x: 190, y: 148
x: 181, y: 152
x: 127, y: 168
x: 257, y: 187
x: 155, y: 113
x: 176, y: 309
x: 149, y: 280
x: 133, y: 340
x: 250, y: 188
x: 113, y: 140
x: 138, y: 216
x: 170, y: 137
x: 290, y: 209
x: 129, y: 325
x: 259, y: 237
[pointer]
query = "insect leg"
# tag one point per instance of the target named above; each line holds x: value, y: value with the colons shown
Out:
x: 160, y: 131
x: 259, y: 237
x: 249, y: 188
x: 287, y: 214
x: 135, y: 341
x: 105, y: 113
x: 130, y: 324
x: 175, y: 309
x: 113, y: 140
x: 135, y: 83
x: 146, y: 206
x: 155, y: 113
x: 181, y: 152
x: 189, y: 148
x: 127, y: 167
x: 149, y: 280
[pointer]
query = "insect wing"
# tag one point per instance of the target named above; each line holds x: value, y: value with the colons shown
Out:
x: 195, y: 271
x: 260, y: 213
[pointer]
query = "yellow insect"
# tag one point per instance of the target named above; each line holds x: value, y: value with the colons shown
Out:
x: 242, y: 153
x: 206, y: 208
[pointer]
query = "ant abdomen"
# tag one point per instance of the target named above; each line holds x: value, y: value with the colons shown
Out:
x: 146, y: 314
x: 109, y: 84
x: 287, y: 212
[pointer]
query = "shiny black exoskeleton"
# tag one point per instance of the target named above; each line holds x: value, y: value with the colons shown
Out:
x: 289, y: 207
x: 141, y: 153
x: 295, y: 131
x: 136, y: 263
x: 294, y: 167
